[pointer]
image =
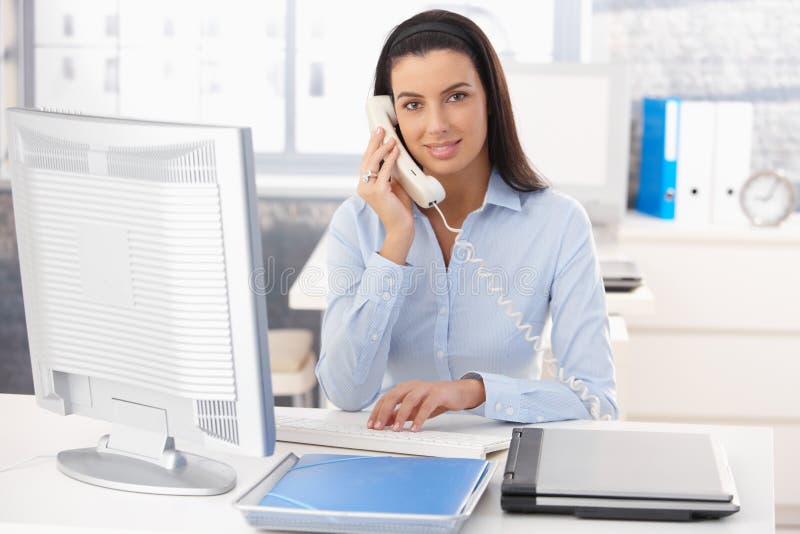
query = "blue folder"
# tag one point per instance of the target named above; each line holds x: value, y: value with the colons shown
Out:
x: 658, y: 164
x: 382, y: 484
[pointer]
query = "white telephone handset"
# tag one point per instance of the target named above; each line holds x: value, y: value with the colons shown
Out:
x: 424, y: 190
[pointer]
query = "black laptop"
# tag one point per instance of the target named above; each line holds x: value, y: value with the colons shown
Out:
x: 616, y: 474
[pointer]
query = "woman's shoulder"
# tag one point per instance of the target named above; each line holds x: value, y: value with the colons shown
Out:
x: 553, y: 205
x: 352, y: 205
x: 350, y: 214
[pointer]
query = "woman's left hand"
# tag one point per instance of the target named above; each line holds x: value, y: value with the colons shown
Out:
x: 419, y: 401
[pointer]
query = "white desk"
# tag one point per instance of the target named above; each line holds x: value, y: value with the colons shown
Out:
x: 38, y: 498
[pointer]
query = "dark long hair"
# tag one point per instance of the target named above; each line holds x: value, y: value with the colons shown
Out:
x: 505, y: 151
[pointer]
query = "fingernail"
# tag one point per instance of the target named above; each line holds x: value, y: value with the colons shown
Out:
x: 396, y: 427
x: 414, y: 428
x: 369, y: 423
x: 378, y: 130
x: 378, y: 425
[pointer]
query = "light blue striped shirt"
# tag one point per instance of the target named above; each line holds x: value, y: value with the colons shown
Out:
x: 388, y: 323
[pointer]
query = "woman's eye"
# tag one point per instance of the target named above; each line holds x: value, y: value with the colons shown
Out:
x: 411, y: 106
x: 457, y: 97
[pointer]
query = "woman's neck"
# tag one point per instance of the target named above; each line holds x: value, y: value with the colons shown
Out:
x: 464, y: 191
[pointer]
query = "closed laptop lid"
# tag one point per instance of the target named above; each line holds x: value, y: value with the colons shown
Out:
x: 620, y: 275
x: 632, y: 465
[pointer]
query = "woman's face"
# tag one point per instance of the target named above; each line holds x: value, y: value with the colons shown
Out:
x: 441, y: 109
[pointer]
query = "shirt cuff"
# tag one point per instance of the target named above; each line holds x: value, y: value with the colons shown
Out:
x: 502, y: 397
x: 383, y: 281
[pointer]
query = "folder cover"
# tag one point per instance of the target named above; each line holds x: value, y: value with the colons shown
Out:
x: 693, y: 182
x: 659, y: 157
x: 379, y: 484
x: 733, y: 144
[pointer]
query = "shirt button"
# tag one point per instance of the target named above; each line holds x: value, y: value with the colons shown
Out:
x: 498, y: 407
x: 386, y: 296
x: 440, y: 354
x: 510, y: 410
x: 374, y: 337
x: 442, y: 311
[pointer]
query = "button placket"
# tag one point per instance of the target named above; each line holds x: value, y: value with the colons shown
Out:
x: 452, y: 273
x: 440, y: 348
x: 441, y: 321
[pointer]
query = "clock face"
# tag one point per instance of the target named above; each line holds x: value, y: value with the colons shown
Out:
x: 767, y: 198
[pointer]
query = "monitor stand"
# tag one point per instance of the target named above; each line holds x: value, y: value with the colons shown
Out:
x: 174, y: 473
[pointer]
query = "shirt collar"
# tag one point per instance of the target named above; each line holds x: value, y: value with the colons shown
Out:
x: 498, y: 193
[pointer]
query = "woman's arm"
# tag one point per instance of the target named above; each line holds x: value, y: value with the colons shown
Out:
x: 364, y: 300
x: 580, y: 343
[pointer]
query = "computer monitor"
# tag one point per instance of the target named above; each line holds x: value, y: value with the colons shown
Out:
x: 138, y: 242
x: 573, y: 121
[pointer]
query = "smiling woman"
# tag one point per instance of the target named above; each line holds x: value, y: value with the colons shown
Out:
x: 414, y: 319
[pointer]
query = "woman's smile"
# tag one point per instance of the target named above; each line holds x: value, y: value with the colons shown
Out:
x: 443, y: 150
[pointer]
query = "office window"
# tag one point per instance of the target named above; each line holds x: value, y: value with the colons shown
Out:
x: 297, y: 71
x: 176, y: 60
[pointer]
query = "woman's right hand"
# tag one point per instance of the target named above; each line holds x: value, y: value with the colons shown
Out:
x: 386, y: 196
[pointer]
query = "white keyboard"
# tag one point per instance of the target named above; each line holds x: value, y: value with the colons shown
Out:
x: 422, y: 443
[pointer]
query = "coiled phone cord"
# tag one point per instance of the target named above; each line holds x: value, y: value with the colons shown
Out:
x: 591, y: 402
